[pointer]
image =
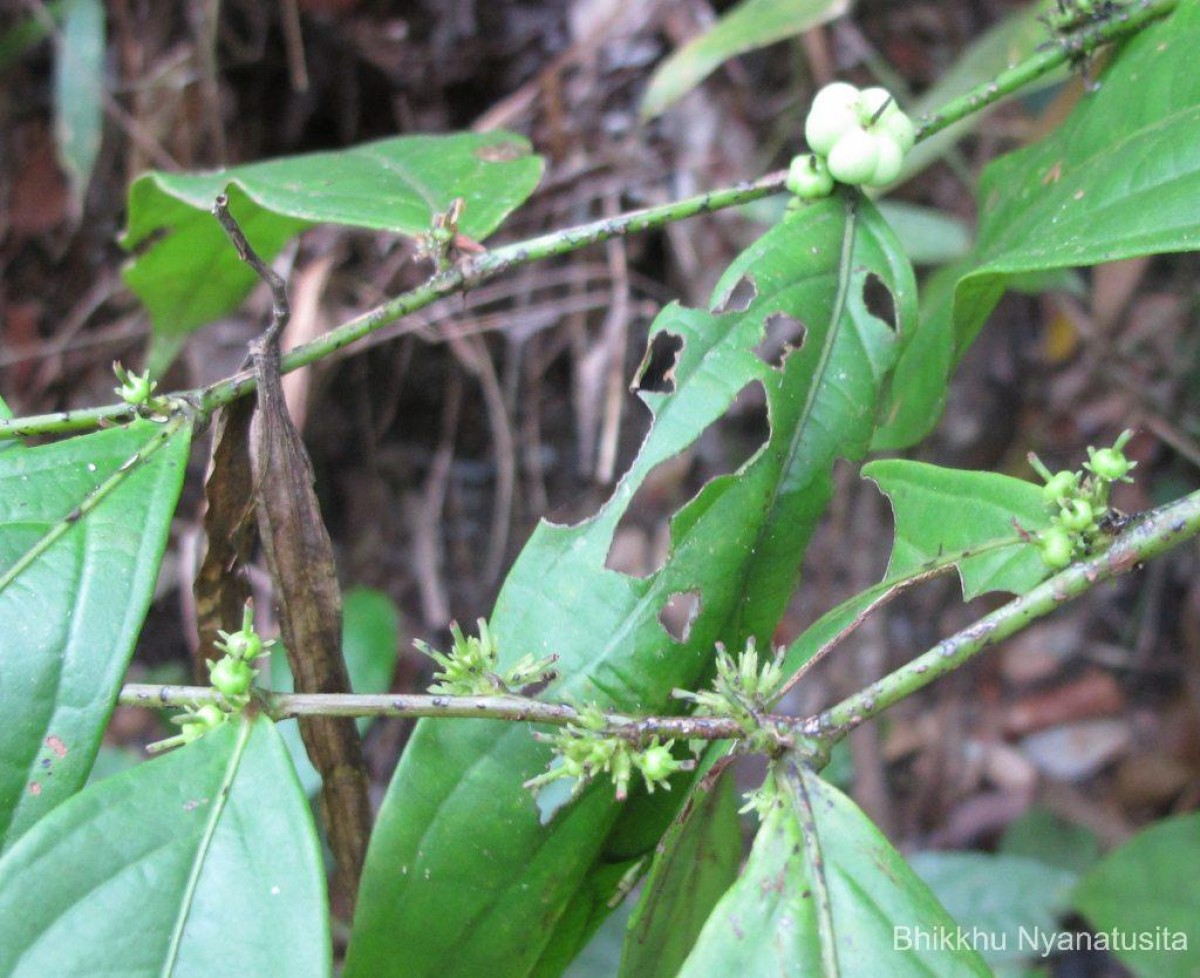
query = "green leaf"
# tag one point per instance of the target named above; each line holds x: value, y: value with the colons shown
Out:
x: 112, y: 760
x: 929, y: 236
x: 823, y: 893
x: 79, y: 93
x: 1042, y: 835
x: 455, y: 803
x: 975, y: 522
x: 83, y: 525
x: 202, y: 862
x: 370, y: 633
x: 1006, y: 905
x: 186, y: 271
x: 7, y: 444
x: 695, y: 863
x: 751, y: 24
x: 618, y: 866
x: 1120, y: 178
x: 1146, y: 890
x: 983, y: 517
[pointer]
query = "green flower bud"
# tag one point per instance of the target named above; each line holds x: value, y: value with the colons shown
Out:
x: 1109, y: 464
x: 245, y: 645
x: 231, y: 677
x: 657, y: 764
x: 1060, y: 487
x: 1077, y: 516
x: 1057, y: 547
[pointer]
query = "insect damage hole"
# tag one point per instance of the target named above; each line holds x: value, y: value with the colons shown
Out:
x: 679, y: 613
x: 641, y: 543
x: 880, y: 302
x: 738, y: 298
x: 656, y: 373
x: 782, y: 333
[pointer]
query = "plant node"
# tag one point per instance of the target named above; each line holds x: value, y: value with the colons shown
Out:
x: 587, y: 748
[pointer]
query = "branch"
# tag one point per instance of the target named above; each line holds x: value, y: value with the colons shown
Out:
x: 516, y: 709
x: 1068, y: 48
x: 475, y: 271
x: 1155, y: 534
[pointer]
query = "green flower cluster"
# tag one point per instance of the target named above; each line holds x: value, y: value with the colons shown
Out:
x: 584, y: 750
x: 231, y: 675
x: 1079, y: 501
x: 742, y: 691
x: 472, y: 666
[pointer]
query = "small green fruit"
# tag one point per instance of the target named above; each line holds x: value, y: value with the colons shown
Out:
x: 854, y: 157
x: 244, y: 645
x: 809, y: 177
x: 872, y: 101
x: 891, y: 161
x: 900, y: 127
x: 196, y: 725
x: 1060, y: 487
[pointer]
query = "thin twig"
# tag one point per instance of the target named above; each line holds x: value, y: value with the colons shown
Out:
x: 281, y: 311
x: 517, y: 709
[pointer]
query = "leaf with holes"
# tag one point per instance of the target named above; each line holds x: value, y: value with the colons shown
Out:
x: 83, y: 525
x: 978, y: 523
x: 455, y: 803
x: 984, y: 519
x: 921, y: 381
x: 1120, y: 178
x: 201, y: 862
x: 186, y: 272
x: 824, y: 893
